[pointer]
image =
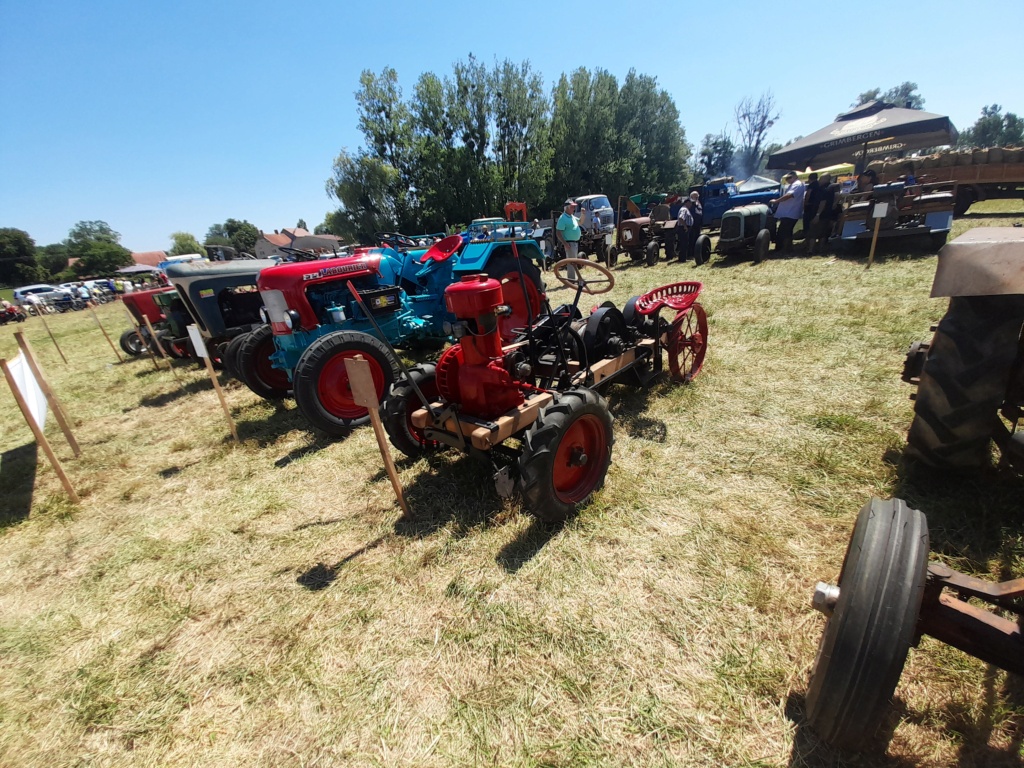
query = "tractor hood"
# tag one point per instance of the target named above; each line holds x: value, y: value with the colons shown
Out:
x: 285, y: 276
x: 984, y: 261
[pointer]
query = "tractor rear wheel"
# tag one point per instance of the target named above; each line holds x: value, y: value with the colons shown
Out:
x: 865, y: 642
x: 566, y: 454
x: 131, y: 343
x: 651, y: 253
x: 322, y: 389
x: 402, y: 402
x: 687, y: 342
x: 702, y: 250
x: 230, y: 355
x: 255, y: 368
x: 762, y: 243
x: 964, y: 380
x: 517, y: 295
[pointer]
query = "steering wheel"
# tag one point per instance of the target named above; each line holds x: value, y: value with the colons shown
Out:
x: 578, y: 282
x: 395, y: 239
x: 442, y: 250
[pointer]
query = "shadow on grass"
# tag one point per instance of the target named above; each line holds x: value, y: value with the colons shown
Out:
x: 628, y: 405
x: 17, y: 479
x: 321, y: 576
x: 527, y: 545
x: 179, y: 391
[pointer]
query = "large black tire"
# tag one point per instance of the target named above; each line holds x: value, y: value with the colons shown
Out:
x: 230, y: 355
x: 613, y: 256
x: 254, y: 366
x: 132, y: 344
x: 402, y: 402
x: 651, y: 253
x: 762, y: 242
x: 503, y: 268
x: 964, y: 381
x: 965, y: 198
x: 864, y: 646
x: 554, y: 478
x: 322, y: 390
x: 702, y: 249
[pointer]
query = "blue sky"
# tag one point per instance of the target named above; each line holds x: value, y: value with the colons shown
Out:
x: 160, y: 117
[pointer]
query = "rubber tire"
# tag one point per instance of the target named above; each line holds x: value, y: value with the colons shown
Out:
x: 132, y: 344
x: 306, y: 377
x: 252, y: 349
x: 702, y: 249
x: 651, y: 253
x: 397, y: 411
x: 613, y: 256
x: 964, y: 381
x: 230, y: 355
x: 540, y: 448
x: 865, y: 642
x: 500, y: 266
x: 762, y: 242
x: 965, y: 198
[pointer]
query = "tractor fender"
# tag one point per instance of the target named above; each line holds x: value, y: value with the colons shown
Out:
x: 984, y: 261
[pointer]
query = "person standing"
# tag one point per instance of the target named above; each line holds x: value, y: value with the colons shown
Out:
x: 684, y: 221
x: 568, y: 231
x: 824, y: 217
x: 790, y: 209
x: 812, y: 197
x: 697, y: 212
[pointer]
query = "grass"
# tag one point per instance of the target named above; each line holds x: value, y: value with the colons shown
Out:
x: 208, y: 604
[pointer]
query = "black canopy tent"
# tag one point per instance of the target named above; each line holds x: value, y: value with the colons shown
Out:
x: 875, y: 129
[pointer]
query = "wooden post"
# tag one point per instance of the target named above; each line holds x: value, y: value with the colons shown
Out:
x: 200, y: 347
x: 47, y: 327
x: 142, y: 341
x: 40, y: 437
x: 364, y: 394
x: 105, y: 336
x: 159, y: 347
x: 58, y: 410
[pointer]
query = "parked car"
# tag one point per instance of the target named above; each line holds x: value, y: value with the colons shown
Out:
x: 43, y: 291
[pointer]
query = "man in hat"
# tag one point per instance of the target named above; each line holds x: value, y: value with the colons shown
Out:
x: 787, y: 214
x: 567, y: 230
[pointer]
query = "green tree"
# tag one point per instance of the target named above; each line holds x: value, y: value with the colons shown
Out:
x: 18, y: 257
x: 364, y: 186
x: 301, y: 224
x: 714, y: 158
x: 242, y: 234
x: 522, y: 152
x: 993, y: 129
x: 899, y: 95
x: 217, y: 235
x: 183, y: 243
x: 53, y: 258
x: 97, y: 247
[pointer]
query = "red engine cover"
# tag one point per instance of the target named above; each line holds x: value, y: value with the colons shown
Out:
x: 484, y: 391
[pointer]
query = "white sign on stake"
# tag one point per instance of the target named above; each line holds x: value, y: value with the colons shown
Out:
x: 197, y: 341
x: 29, y: 388
x: 880, y: 210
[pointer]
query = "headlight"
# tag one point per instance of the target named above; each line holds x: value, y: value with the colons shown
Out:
x: 264, y: 316
x: 292, y: 319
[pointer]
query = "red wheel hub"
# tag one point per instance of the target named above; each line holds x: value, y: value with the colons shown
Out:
x: 268, y: 374
x: 579, y: 459
x: 687, y: 343
x: 335, y: 390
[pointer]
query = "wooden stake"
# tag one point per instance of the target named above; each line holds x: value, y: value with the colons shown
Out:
x: 142, y: 341
x: 58, y: 410
x: 874, y: 241
x: 220, y: 396
x: 159, y: 347
x: 104, y: 332
x: 365, y: 394
x: 47, y: 327
x: 40, y: 437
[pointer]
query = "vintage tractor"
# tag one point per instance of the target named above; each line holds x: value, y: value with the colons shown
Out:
x: 888, y: 595
x: 970, y: 378
x: 745, y: 229
x: 143, y: 304
x: 315, y: 322
x: 222, y: 299
x: 920, y: 211
x: 641, y: 237
x: 541, y: 387
x: 597, y: 226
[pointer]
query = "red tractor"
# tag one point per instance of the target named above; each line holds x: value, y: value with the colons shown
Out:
x: 542, y: 388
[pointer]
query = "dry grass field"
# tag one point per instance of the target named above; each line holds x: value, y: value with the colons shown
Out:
x: 209, y: 604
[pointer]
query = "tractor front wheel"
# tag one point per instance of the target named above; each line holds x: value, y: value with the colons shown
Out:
x: 651, y: 253
x: 702, y: 250
x: 566, y: 454
x: 323, y: 391
x: 132, y: 343
x: 761, y: 245
x: 255, y: 368
x: 400, y: 406
x: 230, y: 355
x: 613, y: 256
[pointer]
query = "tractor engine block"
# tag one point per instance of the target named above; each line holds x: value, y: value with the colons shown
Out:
x: 473, y: 371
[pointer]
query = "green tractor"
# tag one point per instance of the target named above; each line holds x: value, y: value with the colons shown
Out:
x: 745, y: 229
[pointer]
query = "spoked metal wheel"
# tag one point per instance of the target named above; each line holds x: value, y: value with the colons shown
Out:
x: 686, y: 343
x: 566, y: 454
x: 872, y: 623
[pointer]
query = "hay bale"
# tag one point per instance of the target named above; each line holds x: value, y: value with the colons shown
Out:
x: 980, y: 156
x: 965, y: 157
x: 947, y: 159
x: 930, y: 161
x: 995, y: 154
x: 1013, y: 154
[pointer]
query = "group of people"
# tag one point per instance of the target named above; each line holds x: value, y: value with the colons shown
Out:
x: 814, y: 203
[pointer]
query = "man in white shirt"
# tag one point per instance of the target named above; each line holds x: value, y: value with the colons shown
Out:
x: 787, y: 214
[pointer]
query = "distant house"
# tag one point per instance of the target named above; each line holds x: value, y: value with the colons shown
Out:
x: 149, y: 258
x: 268, y: 246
